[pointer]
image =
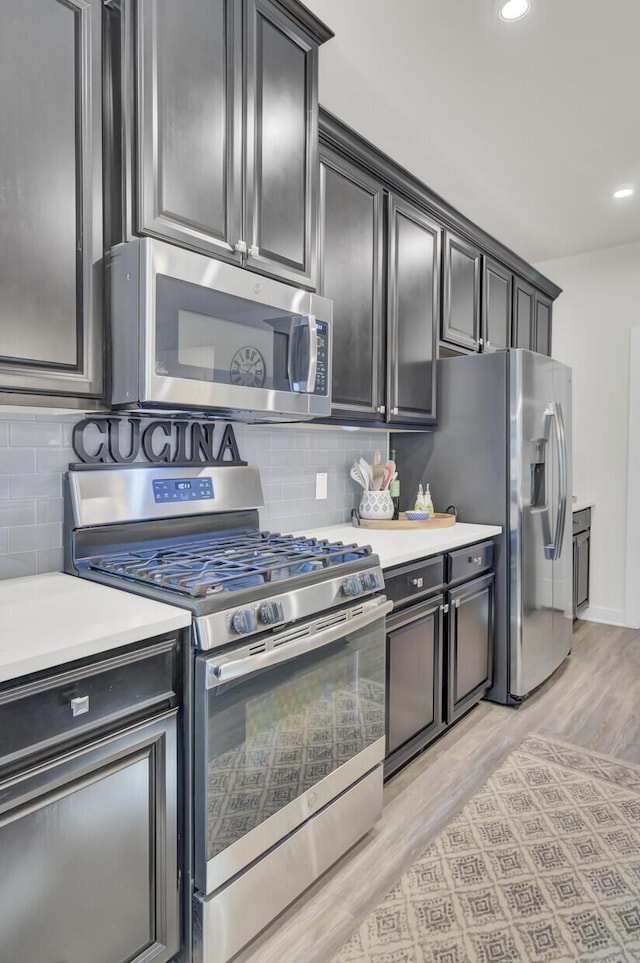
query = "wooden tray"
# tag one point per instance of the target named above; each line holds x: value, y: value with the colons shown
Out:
x: 439, y: 520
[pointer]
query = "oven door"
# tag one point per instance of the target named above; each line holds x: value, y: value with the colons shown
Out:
x: 282, y: 727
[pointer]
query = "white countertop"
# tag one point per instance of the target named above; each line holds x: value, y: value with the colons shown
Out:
x: 395, y: 546
x: 47, y: 620
x: 581, y: 503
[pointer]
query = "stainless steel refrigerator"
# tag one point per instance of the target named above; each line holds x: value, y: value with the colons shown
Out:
x: 502, y: 454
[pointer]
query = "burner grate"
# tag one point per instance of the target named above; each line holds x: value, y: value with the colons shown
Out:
x: 207, y: 566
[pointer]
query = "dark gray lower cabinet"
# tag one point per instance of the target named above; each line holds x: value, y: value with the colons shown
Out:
x: 89, y: 812
x: 439, y: 648
x: 581, y: 559
x: 414, y: 666
x: 470, y: 644
x: 88, y: 853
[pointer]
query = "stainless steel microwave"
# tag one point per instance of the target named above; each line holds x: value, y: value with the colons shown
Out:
x: 190, y: 332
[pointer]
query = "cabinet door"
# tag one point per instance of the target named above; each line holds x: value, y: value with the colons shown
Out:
x: 542, y: 314
x: 190, y: 123
x: 350, y: 273
x: 470, y: 644
x: 582, y: 544
x: 88, y: 848
x: 413, y: 309
x: 461, y: 292
x: 50, y: 197
x: 496, y: 306
x: 281, y: 70
x: 523, y: 329
x: 414, y: 690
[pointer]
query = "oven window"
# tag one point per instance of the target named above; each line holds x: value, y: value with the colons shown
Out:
x: 207, y: 335
x: 274, y: 734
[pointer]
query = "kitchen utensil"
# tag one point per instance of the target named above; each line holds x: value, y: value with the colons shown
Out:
x: 366, y: 468
x: 388, y: 475
x: 356, y: 474
x: 377, y: 472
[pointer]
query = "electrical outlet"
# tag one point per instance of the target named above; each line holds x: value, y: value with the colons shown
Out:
x: 321, y: 484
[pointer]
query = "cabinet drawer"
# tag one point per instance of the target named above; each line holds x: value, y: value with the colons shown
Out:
x: 414, y: 581
x: 581, y: 521
x: 45, y: 712
x: 469, y: 561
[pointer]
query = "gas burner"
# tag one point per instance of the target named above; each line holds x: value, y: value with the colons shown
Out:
x: 210, y: 565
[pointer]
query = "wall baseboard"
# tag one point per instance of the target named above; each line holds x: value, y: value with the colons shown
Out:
x: 605, y: 615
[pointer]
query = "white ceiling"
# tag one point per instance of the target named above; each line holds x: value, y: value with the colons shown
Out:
x: 525, y: 127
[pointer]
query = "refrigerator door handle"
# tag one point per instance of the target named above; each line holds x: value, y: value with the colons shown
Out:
x: 554, y: 549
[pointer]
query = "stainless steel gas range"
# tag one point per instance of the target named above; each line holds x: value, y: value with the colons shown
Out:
x: 284, y: 688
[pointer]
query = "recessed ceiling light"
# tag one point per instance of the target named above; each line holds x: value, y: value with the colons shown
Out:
x: 514, y: 9
x: 623, y: 192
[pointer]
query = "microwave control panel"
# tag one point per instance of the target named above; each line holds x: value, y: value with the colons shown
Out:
x: 322, y: 364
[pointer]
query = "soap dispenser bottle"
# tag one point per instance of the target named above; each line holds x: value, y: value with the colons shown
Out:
x: 419, y: 503
x: 428, y: 503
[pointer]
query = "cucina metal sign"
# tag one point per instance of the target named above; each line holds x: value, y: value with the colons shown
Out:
x: 161, y: 441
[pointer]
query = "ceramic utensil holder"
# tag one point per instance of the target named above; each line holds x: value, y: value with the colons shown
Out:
x: 376, y: 504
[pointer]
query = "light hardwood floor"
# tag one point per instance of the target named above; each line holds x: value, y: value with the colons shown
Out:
x: 593, y: 700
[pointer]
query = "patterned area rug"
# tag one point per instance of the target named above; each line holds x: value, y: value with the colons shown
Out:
x: 543, y: 864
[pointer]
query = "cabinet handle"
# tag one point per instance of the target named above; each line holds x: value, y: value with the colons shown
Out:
x: 241, y: 247
x: 444, y: 608
x: 79, y: 705
x: 381, y: 409
x: 416, y: 582
x: 475, y: 559
x: 254, y: 250
x: 487, y: 343
x: 395, y: 411
x: 456, y: 602
x: 481, y: 342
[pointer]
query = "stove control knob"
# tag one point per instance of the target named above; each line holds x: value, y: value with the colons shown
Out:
x: 352, y: 586
x: 271, y: 612
x: 244, y: 621
x: 370, y: 581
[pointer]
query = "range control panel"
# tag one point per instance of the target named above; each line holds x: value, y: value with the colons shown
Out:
x: 182, y: 489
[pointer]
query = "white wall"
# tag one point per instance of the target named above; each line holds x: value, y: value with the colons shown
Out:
x: 592, y: 322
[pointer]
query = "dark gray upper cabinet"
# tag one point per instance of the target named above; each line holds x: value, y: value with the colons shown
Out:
x: 351, y: 274
x: 50, y: 200
x: 281, y: 145
x: 227, y: 130
x: 461, y: 292
x: 542, y: 314
x: 523, y: 326
x: 413, y: 309
x: 190, y: 123
x: 496, y: 305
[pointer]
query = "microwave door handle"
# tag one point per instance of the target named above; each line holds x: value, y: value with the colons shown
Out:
x: 306, y: 383
x: 218, y: 674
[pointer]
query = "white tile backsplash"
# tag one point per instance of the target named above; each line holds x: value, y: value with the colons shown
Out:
x: 35, y: 451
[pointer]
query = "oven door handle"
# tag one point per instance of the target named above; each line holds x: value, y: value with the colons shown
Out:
x: 217, y: 673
